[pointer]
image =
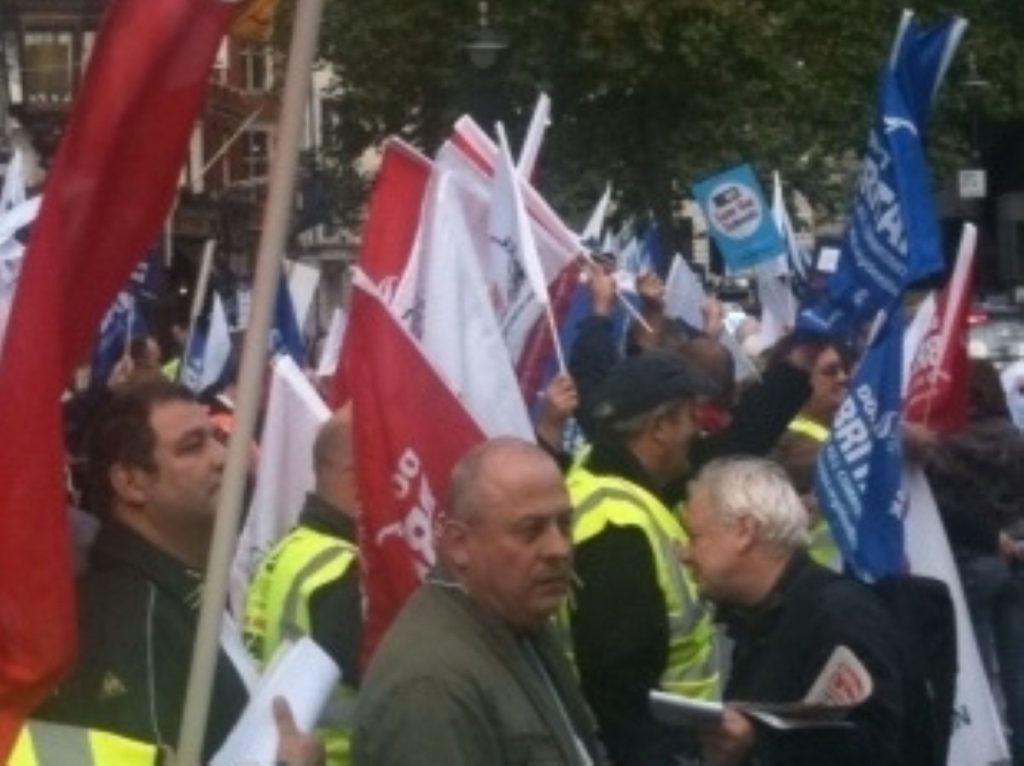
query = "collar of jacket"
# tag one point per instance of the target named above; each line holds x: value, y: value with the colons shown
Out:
x: 118, y: 547
x: 321, y: 516
x: 761, y: 618
x: 617, y: 460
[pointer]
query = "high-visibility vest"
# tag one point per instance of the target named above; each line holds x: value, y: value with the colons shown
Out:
x: 603, y: 501
x: 277, y: 609
x: 41, y: 743
x: 823, y: 548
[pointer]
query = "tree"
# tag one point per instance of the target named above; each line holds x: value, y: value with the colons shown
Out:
x: 654, y: 94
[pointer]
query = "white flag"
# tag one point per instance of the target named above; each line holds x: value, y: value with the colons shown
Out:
x: 331, y: 349
x: 591, y: 235
x: 295, y: 413
x: 684, y: 294
x: 978, y: 738
x: 303, y: 279
x: 443, y: 299
x: 209, y: 350
x: 534, y: 136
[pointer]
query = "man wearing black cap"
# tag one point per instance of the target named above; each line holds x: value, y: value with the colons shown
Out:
x: 636, y: 620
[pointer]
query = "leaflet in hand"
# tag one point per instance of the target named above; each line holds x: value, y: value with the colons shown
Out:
x: 304, y: 675
x: 843, y: 684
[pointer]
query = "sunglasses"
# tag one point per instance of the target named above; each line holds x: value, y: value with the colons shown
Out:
x: 831, y: 370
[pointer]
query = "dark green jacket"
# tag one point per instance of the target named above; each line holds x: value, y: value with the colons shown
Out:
x: 451, y: 684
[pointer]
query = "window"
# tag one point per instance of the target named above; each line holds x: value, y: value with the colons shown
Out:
x: 47, y: 73
x: 258, y: 67
x: 256, y: 153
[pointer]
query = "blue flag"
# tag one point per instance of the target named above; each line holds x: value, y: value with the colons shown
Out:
x: 205, y: 362
x: 892, y: 238
x: 285, y: 336
x: 651, y: 257
x: 858, y: 478
x: 738, y: 217
x: 125, y: 319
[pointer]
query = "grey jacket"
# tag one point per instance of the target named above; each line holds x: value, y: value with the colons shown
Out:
x: 451, y: 684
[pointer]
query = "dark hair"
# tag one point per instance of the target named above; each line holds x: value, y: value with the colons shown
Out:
x: 987, y: 397
x: 121, y: 433
x: 138, y: 348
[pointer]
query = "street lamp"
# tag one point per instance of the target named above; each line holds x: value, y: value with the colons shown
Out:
x: 487, y: 45
x: 973, y: 181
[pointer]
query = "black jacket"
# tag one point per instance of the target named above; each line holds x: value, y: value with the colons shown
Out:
x: 977, y: 475
x: 138, y: 610
x: 620, y: 630
x: 782, y: 645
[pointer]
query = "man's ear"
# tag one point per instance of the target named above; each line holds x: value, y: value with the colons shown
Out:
x: 455, y: 543
x: 746, y: 532
x: 129, y: 483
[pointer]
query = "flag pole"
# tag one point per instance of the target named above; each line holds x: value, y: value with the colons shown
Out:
x: 198, y: 297
x: 254, y: 354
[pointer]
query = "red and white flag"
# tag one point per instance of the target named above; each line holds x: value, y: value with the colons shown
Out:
x: 443, y: 301
x: 937, y: 394
x: 389, y: 234
x: 105, y: 200
x: 411, y: 430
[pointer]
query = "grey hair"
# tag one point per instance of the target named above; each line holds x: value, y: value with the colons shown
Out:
x: 758, y: 488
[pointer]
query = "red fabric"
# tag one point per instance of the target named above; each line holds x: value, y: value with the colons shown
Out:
x: 539, y: 352
x: 411, y: 430
x: 389, y: 234
x: 105, y: 200
x: 939, y: 391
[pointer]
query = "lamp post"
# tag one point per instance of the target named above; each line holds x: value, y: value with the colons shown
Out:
x: 973, y: 180
x: 485, y: 51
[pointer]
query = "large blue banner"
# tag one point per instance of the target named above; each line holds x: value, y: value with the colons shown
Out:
x: 858, y: 479
x: 738, y: 217
x: 892, y: 238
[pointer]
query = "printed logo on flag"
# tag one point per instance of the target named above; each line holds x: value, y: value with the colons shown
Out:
x: 737, y: 215
x: 858, y: 477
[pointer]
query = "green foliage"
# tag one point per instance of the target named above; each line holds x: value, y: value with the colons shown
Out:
x: 654, y: 94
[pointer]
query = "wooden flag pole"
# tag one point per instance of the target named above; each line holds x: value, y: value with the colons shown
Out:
x: 254, y: 354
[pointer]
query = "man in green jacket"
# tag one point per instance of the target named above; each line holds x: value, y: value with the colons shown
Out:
x: 470, y: 672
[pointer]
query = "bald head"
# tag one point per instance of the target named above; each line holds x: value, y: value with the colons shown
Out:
x: 494, y: 468
x: 333, y: 461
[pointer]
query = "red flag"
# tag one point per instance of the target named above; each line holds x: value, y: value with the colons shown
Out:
x: 390, y: 231
x: 937, y: 395
x: 105, y: 200
x: 411, y: 430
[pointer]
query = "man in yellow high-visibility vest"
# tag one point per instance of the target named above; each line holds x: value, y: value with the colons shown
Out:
x: 309, y: 583
x: 636, y: 621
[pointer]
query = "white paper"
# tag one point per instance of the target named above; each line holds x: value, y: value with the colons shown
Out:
x: 304, y: 675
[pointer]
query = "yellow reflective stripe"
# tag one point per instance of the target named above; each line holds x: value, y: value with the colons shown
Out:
x: 277, y: 606
x: 599, y: 501
x: 41, y: 743
x: 326, y: 566
x: 807, y: 427
x: 47, y: 743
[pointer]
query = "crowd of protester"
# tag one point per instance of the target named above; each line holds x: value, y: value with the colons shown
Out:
x: 681, y: 548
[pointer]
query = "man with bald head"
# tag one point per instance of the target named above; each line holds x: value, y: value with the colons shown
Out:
x: 309, y: 583
x: 469, y: 672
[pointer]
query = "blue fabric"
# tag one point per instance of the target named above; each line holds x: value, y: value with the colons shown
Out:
x: 893, y: 238
x: 739, y: 219
x: 124, y: 320
x: 285, y: 336
x: 858, y: 477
